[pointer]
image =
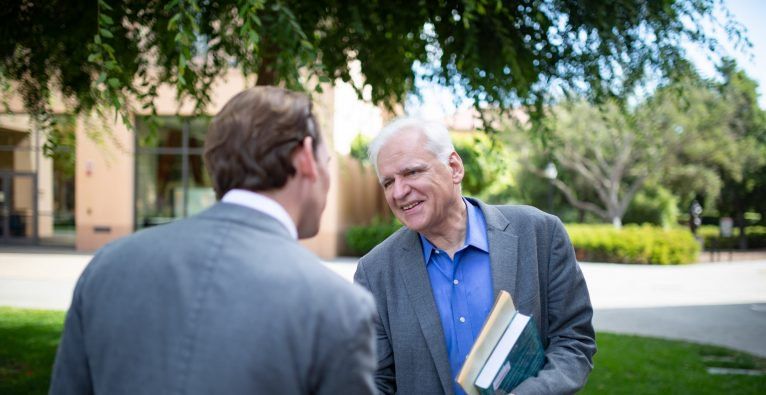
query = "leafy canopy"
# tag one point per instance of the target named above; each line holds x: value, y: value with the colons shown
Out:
x: 115, y: 54
x: 691, y: 139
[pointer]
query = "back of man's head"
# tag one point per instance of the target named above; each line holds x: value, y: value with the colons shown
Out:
x: 249, y: 144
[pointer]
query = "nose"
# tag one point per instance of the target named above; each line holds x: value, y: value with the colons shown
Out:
x: 400, y: 189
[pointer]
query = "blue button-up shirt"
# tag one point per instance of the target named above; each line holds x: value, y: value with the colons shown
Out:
x: 462, y: 288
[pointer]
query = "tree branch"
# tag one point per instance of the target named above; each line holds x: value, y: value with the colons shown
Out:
x: 572, y: 198
x: 599, y: 186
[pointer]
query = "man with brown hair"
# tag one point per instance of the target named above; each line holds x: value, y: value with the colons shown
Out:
x: 227, y: 301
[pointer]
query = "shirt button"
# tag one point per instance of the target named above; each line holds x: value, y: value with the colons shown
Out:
x: 456, y: 281
x: 436, y: 251
x: 462, y: 319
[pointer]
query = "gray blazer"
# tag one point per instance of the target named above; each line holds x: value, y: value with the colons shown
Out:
x: 531, y: 257
x: 225, y: 302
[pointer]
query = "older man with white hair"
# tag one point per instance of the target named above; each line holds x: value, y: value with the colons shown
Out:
x: 435, y: 279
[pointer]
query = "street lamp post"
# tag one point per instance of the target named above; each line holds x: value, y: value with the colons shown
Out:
x: 550, y: 173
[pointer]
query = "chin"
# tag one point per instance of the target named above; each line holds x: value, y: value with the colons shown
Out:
x: 414, y: 226
x: 308, y: 234
x: 308, y: 231
x: 415, y: 223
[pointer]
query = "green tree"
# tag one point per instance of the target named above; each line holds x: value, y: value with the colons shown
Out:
x: 359, y: 146
x: 653, y: 204
x: 694, y: 117
x: 609, y: 151
x: 721, y: 133
x: 744, y: 185
x: 116, y: 54
x: 489, y: 167
x: 692, y: 137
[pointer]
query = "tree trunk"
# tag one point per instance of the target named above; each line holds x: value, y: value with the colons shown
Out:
x: 742, y: 226
x: 266, y: 74
x: 617, y: 222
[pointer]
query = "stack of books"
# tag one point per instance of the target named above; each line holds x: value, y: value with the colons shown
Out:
x: 507, y: 351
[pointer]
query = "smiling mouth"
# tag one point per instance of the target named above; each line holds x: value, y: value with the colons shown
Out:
x: 410, y: 206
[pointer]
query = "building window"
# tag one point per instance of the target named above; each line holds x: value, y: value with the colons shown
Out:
x: 171, y: 181
x: 37, y: 180
x: 59, y: 146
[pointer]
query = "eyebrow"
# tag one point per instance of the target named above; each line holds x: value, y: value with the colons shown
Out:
x: 404, y: 170
x: 413, y: 168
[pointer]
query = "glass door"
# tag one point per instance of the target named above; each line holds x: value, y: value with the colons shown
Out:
x: 17, y: 208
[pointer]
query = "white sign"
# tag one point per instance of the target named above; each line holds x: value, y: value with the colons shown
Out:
x: 727, y: 224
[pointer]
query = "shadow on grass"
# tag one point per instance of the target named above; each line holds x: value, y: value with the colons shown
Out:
x: 29, y: 339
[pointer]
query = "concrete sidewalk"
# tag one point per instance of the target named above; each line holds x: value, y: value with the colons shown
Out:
x: 715, y: 303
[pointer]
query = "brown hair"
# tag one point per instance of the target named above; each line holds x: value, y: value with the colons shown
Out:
x: 249, y: 144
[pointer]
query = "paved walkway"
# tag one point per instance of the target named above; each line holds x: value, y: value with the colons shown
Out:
x: 717, y: 303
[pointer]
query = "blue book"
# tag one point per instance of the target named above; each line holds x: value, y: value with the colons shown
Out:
x: 518, y: 356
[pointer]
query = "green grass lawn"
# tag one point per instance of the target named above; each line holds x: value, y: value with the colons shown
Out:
x: 28, y: 340
x: 640, y: 365
x: 624, y: 364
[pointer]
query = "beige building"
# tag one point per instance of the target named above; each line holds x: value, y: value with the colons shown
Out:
x: 121, y: 178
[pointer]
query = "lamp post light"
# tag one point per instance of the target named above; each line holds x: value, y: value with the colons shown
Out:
x: 550, y: 173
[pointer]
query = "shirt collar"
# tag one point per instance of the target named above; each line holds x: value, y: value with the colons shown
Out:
x: 475, y: 232
x: 264, y: 204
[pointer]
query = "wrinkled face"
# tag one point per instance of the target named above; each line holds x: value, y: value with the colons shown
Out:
x: 419, y: 188
x: 315, y: 204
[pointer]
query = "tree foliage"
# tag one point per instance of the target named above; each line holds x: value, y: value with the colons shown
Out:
x: 489, y: 167
x: 610, y: 150
x: 115, y: 54
x: 722, y: 156
x: 692, y: 139
x: 744, y: 187
x: 694, y: 115
x: 359, y: 146
x: 653, y: 204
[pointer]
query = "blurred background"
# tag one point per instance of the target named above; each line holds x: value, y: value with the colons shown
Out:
x: 646, y: 117
x: 640, y: 124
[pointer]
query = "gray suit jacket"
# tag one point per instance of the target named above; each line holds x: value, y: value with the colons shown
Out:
x: 225, y: 302
x: 531, y: 257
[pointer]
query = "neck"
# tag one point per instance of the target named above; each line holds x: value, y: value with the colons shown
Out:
x: 284, y: 199
x: 450, y: 236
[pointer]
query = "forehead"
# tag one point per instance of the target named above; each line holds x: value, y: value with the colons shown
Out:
x: 403, y: 150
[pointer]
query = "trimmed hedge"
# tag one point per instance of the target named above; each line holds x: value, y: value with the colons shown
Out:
x: 644, y: 244
x: 756, y: 237
x: 361, y: 239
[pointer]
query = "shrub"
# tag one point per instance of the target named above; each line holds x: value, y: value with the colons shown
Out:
x: 643, y: 244
x: 361, y: 239
x: 359, y: 146
x: 756, y: 237
x: 653, y: 205
x: 490, y: 166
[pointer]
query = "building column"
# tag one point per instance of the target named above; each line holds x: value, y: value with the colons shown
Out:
x: 104, y: 182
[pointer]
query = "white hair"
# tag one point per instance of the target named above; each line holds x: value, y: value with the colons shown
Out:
x: 438, y: 140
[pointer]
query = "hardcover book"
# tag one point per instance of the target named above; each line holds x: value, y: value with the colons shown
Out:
x: 499, y: 317
x: 517, y: 356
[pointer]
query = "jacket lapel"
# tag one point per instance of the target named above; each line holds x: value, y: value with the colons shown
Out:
x: 503, y: 249
x: 413, y: 273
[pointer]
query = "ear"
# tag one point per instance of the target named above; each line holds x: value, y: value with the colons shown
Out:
x: 456, y: 167
x: 304, y: 161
